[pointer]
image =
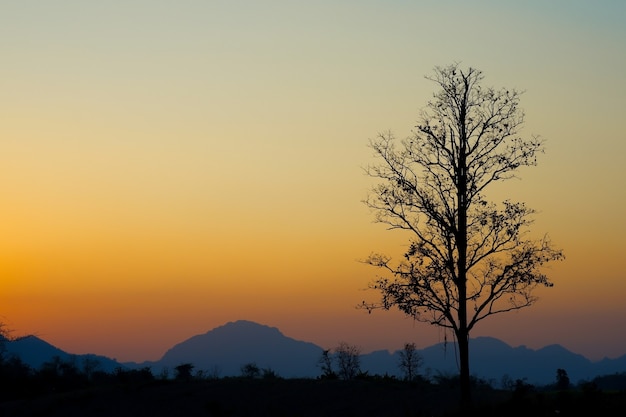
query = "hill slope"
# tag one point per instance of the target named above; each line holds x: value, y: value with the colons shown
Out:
x: 35, y: 352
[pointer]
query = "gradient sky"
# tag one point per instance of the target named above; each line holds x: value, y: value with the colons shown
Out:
x: 167, y: 167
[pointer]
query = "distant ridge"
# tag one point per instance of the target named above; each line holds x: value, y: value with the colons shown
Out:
x: 491, y: 359
x: 35, y: 352
x: 223, y: 350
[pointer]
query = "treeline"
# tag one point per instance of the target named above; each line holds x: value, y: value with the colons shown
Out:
x: 341, y: 363
x: 78, y: 375
x: 18, y: 379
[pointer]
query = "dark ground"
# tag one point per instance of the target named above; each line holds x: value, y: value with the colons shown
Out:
x: 303, y: 398
x: 237, y: 397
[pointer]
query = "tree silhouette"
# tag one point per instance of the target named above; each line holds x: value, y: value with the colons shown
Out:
x: 410, y: 361
x: 562, y: 379
x: 250, y: 370
x: 6, y: 336
x: 348, y: 359
x: 468, y: 258
x: 183, y: 371
x: 326, y: 364
x: 90, y: 365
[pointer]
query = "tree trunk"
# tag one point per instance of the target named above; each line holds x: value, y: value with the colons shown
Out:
x: 462, y: 238
x: 464, y: 374
x: 462, y: 336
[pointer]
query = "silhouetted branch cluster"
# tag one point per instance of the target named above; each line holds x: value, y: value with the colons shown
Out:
x: 423, y: 189
x: 343, y: 363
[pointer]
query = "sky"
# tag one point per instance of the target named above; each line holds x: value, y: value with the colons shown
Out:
x: 167, y: 167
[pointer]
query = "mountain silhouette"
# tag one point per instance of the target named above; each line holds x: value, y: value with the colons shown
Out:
x: 224, y: 350
x: 491, y: 359
x: 35, y: 352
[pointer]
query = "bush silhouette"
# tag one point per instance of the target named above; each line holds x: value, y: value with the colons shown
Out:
x: 183, y: 371
x: 250, y: 370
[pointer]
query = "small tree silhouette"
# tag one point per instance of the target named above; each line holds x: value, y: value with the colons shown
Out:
x: 410, y: 361
x: 164, y: 374
x: 90, y: 365
x: 183, y: 371
x: 4, y: 337
x: 562, y: 380
x: 269, y: 373
x: 326, y: 364
x: 348, y: 360
x: 214, y: 372
x: 250, y: 370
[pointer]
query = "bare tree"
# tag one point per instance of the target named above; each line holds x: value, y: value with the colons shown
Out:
x: 468, y: 258
x: 410, y: 361
x: 326, y: 364
x: 348, y: 359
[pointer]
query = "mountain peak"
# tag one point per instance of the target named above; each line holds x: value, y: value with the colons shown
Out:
x: 236, y: 343
x: 241, y: 331
x: 488, y: 340
x: 245, y: 325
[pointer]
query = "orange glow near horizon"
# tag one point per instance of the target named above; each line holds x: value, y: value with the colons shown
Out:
x: 165, y: 170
